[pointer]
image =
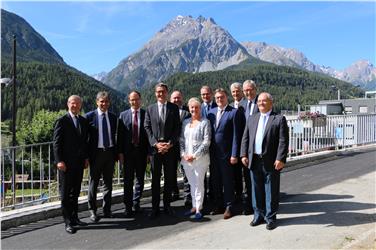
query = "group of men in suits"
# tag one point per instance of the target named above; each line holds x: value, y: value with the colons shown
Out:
x: 250, y: 141
x: 100, y: 138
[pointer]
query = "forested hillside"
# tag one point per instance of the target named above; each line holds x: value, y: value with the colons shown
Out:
x: 47, y: 86
x: 289, y: 86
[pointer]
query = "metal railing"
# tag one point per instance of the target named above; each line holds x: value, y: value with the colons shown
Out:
x: 36, y: 177
x: 330, y: 132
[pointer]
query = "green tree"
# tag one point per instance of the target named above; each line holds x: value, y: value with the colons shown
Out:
x: 40, y: 129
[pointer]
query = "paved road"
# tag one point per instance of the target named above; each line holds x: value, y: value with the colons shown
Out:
x: 323, y: 205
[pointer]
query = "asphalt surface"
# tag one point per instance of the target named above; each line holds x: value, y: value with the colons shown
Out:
x: 321, y: 205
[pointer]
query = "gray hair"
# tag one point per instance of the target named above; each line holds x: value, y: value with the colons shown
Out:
x: 206, y: 87
x: 236, y: 85
x: 249, y: 82
x: 269, y: 96
x: 103, y: 94
x: 161, y: 84
x: 76, y: 97
x: 194, y: 100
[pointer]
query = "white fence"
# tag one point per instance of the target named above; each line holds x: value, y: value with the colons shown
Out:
x: 330, y: 132
x: 31, y: 178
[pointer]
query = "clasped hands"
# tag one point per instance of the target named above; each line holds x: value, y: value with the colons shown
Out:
x: 163, y: 147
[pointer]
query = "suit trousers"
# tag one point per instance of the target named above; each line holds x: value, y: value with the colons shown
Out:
x: 223, y: 182
x: 238, y: 179
x: 157, y: 161
x: 134, y: 163
x: 265, y: 191
x: 103, y: 165
x: 70, y: 187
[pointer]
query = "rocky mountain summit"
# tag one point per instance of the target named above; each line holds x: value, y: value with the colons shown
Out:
x: 361, y: 72
x: 185, y: 44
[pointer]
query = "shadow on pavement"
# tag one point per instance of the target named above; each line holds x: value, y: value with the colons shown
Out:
x: 327, y: 209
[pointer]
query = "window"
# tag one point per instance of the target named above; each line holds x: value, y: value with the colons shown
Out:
x: 363, y: 109
x: 348, y: 109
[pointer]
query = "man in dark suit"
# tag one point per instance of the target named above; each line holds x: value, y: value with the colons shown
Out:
x: 70, y: 146
x: 133, y: 147
x: 249, y: 106
x: 177, y: 98
x: 250, y: 103
x: 162, y: 127
x: 102, y: 154
x: 264, y: 150
x: 224, y: 151
x: 237, y: 95
x: 207, y: 100
x: 206, y: 105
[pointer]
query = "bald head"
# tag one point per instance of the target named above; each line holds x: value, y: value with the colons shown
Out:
x: 177, y: 98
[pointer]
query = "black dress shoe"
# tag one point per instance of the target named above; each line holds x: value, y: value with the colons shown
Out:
x: 70, y: 229
x: 128, y: 213
x: 271, y: 225
x: 137, y: 208
x: 217, y: 211
x: 188, y: 203
x: 256, y: 222
x: 77, y: 222
x: 168, y: 211
x: 247, y: 211
x: 93, y: 216
x: 107, y: 215
x: 154, y: 214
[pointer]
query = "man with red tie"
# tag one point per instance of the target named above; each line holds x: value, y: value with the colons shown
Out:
x: 133, y: 147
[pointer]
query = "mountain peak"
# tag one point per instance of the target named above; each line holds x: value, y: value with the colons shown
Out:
x: 185, y: 44
x: 30, y: 44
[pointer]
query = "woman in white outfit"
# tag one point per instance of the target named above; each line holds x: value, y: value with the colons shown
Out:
x: 194, y: 151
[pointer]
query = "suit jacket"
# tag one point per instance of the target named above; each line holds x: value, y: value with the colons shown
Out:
x: 69, y: 144
x: 125, y: 132
x: 204, y: 112
x: 171, y: 126
x: 93, y: 120
x: 275, y: 140
x: 225, y: 137
x: 244, y: 104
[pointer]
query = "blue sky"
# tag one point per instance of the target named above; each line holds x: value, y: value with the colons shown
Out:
x: 96, y: 36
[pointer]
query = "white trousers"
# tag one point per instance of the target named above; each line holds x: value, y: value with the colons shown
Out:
x: 195, y: 174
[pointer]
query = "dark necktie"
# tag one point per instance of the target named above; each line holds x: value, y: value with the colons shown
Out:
x: 106, y: 138
x: 248, y: 110
x: 77, y: 123
x: 207, y: 108
x: 135, y: 137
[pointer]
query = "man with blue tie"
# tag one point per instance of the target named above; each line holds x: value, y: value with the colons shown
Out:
x: 264, y: 150
x: 102, y: 154
x: 224, y: 151
x: 133, y: 150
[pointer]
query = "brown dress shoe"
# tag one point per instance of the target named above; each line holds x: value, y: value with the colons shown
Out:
x: 227, y: 214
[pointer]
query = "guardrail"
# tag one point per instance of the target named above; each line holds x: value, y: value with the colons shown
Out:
x: 36, y: 178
